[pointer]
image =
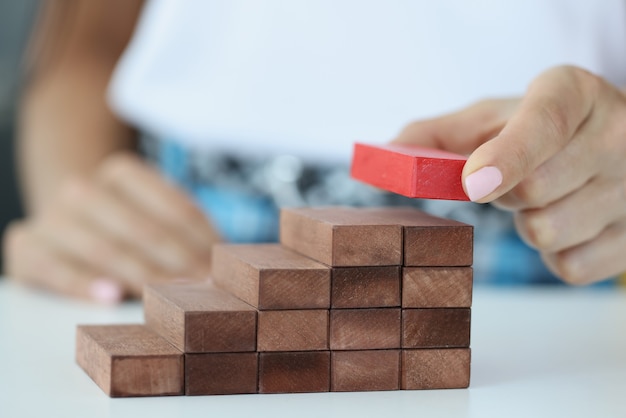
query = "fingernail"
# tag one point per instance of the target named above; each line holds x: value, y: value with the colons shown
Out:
x: 482, y: 182
x: 106, y: 292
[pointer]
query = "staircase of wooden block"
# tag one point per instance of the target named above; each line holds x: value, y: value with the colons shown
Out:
x: 350, y: 300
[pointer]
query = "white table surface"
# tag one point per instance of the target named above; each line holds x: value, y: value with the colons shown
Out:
x: 544, y: 352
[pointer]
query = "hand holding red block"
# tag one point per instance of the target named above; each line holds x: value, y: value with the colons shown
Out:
x: 410, y: 170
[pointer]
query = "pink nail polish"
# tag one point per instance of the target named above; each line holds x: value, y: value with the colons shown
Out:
x: 482, y: 182
x: 106, y: 291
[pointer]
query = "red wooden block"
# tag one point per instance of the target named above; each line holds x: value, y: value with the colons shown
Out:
x: 437, y: 287
x: 342, y: 236
x: 221, y: 373
x: 430, y: 240
x: 353, y: 371
x: 436, y: 368
x: 435, y: 328
x: 270, y: 276
x: 129, y: 360
x: 364, y: 329
x: 365, y: 287
x: 294, y: 372
x: 410, y: 170
x: 200, y: 318
x: 303, y: 330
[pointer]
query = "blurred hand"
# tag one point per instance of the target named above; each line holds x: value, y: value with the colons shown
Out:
x: 557, y: 159
x: 105, y: 237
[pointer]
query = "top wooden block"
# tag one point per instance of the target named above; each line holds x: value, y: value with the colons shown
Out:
x: 342, y: 236
x: 270, y: 276
x: 350, y: 237
x: 410, y: 170
x: 431, y: 241
x: 199, y: 318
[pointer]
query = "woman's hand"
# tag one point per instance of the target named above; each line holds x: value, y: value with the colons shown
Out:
x: 106, y: 236
x: 557, y: 159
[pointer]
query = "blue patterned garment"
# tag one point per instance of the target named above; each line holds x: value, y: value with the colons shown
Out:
x: 242, y: 199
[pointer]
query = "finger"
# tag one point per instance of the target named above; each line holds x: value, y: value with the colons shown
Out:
x: 66, y: 235
x: 574, y: 219
x: 35, y: 264
x: 556, y: 104
x: 562, y: 174
x: 121, y: 222
x: 595, y: 260
x: 150, y: 192
x: 461, y: 131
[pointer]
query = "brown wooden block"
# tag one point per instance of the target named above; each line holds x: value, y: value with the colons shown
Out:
x: 221, y: 373
x: 430, y: 240
x: 341, y: 236
x: 436, y: 368
x: 435, y: 328
x: 199, y: 318
x: 294, y: 372
x: 437, y: 287
x: 270, y: 276
x: 129, y: 360
x: 353, y: 371
x: 365, y: 287
x: 364, y: 329
x: 302, y: 330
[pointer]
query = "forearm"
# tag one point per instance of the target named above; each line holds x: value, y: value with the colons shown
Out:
x: 65, y: 127
x: 65, y: 130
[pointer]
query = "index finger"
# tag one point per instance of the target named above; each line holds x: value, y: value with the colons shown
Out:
x: 460, y: 132
x: 151, y: 192
x: 557, y: 103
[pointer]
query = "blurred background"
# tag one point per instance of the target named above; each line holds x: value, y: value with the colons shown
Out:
x: 16, y: 18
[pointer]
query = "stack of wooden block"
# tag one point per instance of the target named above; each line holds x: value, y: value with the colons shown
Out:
x: 350, y: 300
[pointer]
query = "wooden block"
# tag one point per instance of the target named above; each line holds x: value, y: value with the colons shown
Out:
x: 410, y: 170
x: 437, y: 287
x: 364, y: 329
x: 302, y: 330
x: 365, y: 287
x: 353, y: 371
x: 429, y: 240
x: 270, y: 276
x: 199, y: 318
x: 435, y: 328
x: 221, y: 373
x: 341, y: 236
x: 129, y: 360
x: 294, y: 372
x: 436, y: 369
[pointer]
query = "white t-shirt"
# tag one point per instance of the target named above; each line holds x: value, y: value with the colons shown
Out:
x: 310, y: 77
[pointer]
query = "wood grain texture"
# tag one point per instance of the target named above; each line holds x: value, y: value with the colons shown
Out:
x: 129, y: 360
x: 431, y: 241
x: 221, y: 373
x: 410, y: 170
x: 341, y: 236
x: 199, y: 318
x: 364, y: 329
x: 365, y: 287
x: 271, y: 276
x: 437, y: 287
x: 436, y: 328
x: 300, y: 330
x: 294, y: 372
x: 354, y: 371
x: 436, y: 368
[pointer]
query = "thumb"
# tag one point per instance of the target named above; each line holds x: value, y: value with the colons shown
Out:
x: 556, y: 104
